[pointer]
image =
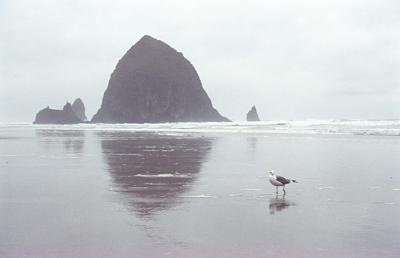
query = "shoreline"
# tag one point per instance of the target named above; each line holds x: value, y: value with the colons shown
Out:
x: 388, y: 128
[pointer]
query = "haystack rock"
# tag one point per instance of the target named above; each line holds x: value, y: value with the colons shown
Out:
x: 53, y: 116
x: 252, y: 115
x: 79, y: 108
x: 153, y: 83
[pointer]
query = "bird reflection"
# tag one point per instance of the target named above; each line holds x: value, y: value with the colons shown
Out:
x: 151, y: 171
x: 72, y: 140
x: 279, y: 203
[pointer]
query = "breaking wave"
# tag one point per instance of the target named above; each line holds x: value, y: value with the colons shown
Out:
x: 310, y: 126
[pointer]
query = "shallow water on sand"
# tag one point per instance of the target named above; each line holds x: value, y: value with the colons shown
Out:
x: 94, y: 193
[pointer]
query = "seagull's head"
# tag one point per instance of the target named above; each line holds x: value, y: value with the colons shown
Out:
x: 271, y: 172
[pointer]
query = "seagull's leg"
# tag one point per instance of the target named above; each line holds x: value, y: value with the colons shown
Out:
x: 276, y: 189
x: 284, y: 192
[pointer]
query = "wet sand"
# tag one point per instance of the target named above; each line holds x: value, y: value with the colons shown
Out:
x: 88, y: 193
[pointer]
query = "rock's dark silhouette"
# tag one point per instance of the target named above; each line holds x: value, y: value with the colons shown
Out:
x: 134, y: 170
x: 79, y: 108
x: 252, y: 115
x: 153, y: 83
x: 53, y: 116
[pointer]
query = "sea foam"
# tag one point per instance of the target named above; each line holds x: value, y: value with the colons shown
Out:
x: 166, y: 175
x: 309, y: 126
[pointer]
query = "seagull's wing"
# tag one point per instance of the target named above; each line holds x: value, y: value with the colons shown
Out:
x: 282, y: 180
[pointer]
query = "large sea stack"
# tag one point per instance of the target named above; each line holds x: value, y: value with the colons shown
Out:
x: 53, y: 116
x: 252, y: 115
x: 153, y: 83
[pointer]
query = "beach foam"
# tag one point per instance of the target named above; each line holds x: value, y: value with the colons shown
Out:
x: 309, y: 126
x: 199, y: 196
x: 166, y: 175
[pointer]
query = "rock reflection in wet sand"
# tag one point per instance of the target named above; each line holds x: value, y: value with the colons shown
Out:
x: 152, y: 171
x: 72, y: 140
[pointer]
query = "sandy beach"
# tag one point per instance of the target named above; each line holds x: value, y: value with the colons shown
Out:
x: 93, y: 193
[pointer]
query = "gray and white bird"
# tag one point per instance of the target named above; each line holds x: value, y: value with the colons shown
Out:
x: 279, y: 181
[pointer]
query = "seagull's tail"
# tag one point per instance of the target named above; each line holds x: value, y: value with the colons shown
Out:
x: 294, y: 181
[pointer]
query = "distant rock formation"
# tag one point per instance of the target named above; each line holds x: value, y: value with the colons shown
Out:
x: 252, y: 115
x: 79, y: 108
x: 153, y: 83
x: 53, y: 116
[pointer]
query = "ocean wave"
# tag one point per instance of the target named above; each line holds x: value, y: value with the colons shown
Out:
x: 308, y: 127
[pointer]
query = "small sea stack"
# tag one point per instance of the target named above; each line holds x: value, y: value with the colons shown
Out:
x: 252, y: 115
x: 54, y: 116
x: 79, y: 108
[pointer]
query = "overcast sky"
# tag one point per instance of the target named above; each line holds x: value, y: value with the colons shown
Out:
x: 292, y: 59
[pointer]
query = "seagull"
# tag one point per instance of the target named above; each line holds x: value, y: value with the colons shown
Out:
x: 279, y: 181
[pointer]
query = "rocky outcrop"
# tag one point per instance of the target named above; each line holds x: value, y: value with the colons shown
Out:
x: 153, y: 83
x: 53, y: 116
x: 252, y: 115
x: 79, y: 109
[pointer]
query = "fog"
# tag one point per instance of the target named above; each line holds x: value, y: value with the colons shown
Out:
x: 292, y: 59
